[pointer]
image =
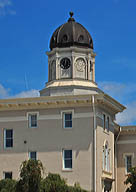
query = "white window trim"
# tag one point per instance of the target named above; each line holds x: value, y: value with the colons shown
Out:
x: 63, y: 167
x: 32, y: 113
x: 63, y: 119
x: 124, y: 156
x: 5, y: 139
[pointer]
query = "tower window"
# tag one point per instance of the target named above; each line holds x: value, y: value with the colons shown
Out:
x: 65, y: 38
x: 81, y: 38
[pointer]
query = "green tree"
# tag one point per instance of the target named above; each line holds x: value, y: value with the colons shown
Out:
x: 7, y: 185
x: 54, y: 183
x: 30, y: 176
x: 131, y: 180
x: 76, y: 188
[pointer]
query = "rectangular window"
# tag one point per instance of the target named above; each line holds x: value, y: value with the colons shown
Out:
x: 67, y: 159
x: 33, y: 155
x: 32, y: 118
x: 128, y: 163
x: 8, y: 138
x: 104, y: 123
x: 7, y: 175
x: 67, y: 120
x: 107, y: 123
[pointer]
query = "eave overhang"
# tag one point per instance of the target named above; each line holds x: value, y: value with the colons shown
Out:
x: 101, y: 100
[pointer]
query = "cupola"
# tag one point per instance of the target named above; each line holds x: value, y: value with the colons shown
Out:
x: 70, y: 34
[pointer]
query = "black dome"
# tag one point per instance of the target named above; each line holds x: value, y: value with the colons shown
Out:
x: 71, y: 33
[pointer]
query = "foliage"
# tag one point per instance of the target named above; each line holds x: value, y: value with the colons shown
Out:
x: 30, y: 176
x: 76, y: 188
x: 31, y: 180
x: 131, y: 180
x: 7, y: 185
x: 54, y: 183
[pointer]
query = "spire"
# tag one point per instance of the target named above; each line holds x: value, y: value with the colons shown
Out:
x: 71, y: 16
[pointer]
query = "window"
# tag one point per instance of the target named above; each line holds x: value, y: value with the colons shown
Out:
x: 7, y: 175
x: 106, y: 158
x: 104, y: 118
x: 128, y: 163
x: 33, y: 155
x: 106, y: 122
x: 8, y: 138
x: 32, y: 120
x: 67, y: 120
x: 67, y: 159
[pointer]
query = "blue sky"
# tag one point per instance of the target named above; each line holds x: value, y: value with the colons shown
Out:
x: 26, y: 27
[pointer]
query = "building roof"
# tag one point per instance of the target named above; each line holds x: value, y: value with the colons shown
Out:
x: 71, y: 33
x: 43, y: 102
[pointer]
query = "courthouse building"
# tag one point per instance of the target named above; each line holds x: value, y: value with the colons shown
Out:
x: 71, y: 127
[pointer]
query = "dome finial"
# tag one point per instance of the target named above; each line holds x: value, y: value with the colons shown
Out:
x: 71, y: 16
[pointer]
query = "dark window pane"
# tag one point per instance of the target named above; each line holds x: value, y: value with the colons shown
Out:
x: 68, y: 124
x: 8, y: 175
x: 68, y: 164
x: 33, y: 155
x: 68, y: 116
x: 68, y: 154
x: 34, y: 120
x: 9, y: 142
x: 9, y: 133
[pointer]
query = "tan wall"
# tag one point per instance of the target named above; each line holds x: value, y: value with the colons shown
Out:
x: 102, y: 137
x: 48, y: 140
x: 122, y: 149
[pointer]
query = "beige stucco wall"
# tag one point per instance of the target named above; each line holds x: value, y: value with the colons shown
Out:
x: 49, y: 139
x: 126, y: 144
x: 102, y: 137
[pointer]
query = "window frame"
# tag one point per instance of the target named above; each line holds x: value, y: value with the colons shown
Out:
x: 106, y: 164
x: 29, y: 155
x: 125, y: 159
x: 63, y: 159
x: 29, y: 114
x: 106, y: 122
x: 9, y: 172
x: 5, y: 138
x: 64, y: 120
x: 63, y: 113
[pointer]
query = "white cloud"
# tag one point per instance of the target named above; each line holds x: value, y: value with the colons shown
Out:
x: 5, y: 93
x: 29, y: 93
x: 127, y: 117
x: 6, y: 8
x: 113, y: 88
x: 125, y: 94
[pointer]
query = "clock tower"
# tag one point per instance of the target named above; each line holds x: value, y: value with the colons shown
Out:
x: 71, y: 61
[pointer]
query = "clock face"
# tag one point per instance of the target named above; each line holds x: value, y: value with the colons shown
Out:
x: 65, y: 63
